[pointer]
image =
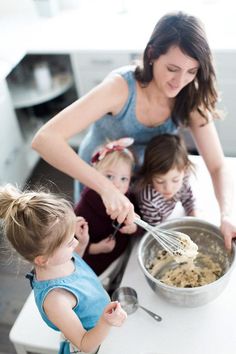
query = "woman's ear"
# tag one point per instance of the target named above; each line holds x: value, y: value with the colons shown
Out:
x: 41, y: 261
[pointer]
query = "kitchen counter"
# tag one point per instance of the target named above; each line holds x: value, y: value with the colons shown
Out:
x: 208, y: 329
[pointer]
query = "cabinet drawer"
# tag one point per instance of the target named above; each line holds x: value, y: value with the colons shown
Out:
x: 90, y: 68
x: 101, y: 60
x: 89, y: 79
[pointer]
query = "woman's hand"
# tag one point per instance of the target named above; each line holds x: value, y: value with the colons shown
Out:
x: 114, y: 315
x: 128, y: 229
x: 118, y: 206
x: 228, y: 229
x: 105, y: 246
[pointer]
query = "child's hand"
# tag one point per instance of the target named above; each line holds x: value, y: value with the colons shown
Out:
x: 81, y: 231
x: 114, y: 314
x: 128, y: 229
x: 105, y: 246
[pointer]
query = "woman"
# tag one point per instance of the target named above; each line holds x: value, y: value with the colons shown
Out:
x: 175, y: 87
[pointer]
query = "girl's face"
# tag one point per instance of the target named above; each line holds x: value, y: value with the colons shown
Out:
x: 63, y: 253
x: 173, y: 71
x: 119, y: 174
x: 168, y: 184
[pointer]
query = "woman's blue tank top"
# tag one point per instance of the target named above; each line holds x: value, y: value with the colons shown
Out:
x: 124, y: 124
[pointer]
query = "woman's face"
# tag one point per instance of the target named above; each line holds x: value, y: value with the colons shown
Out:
x: 173, y: 71
x: 168, y: 184
x: 119, y: 174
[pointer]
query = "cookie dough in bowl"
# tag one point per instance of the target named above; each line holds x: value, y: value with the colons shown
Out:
x: 192, y: 283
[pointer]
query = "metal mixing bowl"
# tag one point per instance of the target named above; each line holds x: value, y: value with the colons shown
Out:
x: 210, y: 242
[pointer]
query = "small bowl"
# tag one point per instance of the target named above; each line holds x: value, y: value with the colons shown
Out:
x: 210, y: 241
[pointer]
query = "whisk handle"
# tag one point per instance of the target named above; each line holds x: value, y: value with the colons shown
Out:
x: 143, y: 224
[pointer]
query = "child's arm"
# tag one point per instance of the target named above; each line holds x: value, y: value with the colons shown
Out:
x: 113, y: 315
x: 81, y: 231
x: 58, y: 307
x: 196, y: 212
x: 105, y: 246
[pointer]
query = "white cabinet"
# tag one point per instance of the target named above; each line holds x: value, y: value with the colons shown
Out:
x: 226, y: 77
x: 91, y: 67
x: 13, y: 163
x: 40, y: 86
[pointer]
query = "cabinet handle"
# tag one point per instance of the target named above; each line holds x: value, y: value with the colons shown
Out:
x: 101, y: 61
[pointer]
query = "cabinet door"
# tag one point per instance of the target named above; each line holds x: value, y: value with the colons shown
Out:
x: 13, y: 165
x: 226, y: 68
x: 90, y: 68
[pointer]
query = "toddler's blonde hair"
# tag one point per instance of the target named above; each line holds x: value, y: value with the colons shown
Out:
x: 114, y: 157
x: 35, y: 222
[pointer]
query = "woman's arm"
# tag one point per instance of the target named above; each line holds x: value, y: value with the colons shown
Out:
x: 208, y: 144
x: 51, y: 142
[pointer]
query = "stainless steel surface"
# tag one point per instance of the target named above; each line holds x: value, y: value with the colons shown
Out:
x: 210, y: 241
x: 128, y: 299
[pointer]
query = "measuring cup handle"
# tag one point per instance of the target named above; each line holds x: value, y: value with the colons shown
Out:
x: 154, y: 315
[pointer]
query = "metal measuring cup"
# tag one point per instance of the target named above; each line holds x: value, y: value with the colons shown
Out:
x: 128, y: 299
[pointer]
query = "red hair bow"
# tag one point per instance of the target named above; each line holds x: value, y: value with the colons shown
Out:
x: 116, y: 145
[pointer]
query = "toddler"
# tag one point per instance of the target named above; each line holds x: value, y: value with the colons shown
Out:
x: 164, y: 179
x: 44, y: 230
x: 115, y: 161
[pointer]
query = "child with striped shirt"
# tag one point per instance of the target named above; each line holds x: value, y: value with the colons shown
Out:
x: 163, y: 179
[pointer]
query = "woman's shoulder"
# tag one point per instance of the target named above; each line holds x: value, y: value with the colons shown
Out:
x: 123, y: 76
x: 126, y: 71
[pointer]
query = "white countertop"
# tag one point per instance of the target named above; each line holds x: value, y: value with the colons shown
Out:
x: 208, y: 329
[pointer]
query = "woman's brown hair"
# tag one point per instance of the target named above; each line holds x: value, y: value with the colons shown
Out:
x: 35, y: 223
x: 186, y: 32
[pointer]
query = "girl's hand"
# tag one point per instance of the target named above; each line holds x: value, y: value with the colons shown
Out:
x: 105, y: 246
x: 81, y: 231
x: 128, y: 229
x: 118, y: 206
x: 228, y: 229
x: 114, y: 315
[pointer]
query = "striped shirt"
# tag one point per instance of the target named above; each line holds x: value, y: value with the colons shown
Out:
x: 154, y: 208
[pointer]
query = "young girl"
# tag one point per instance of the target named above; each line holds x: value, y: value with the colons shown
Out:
x: 42, y: 227
x: 114, y: 161
x: 164, y: 179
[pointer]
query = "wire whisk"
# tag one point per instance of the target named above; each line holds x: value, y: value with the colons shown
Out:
x: 177, y: 244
